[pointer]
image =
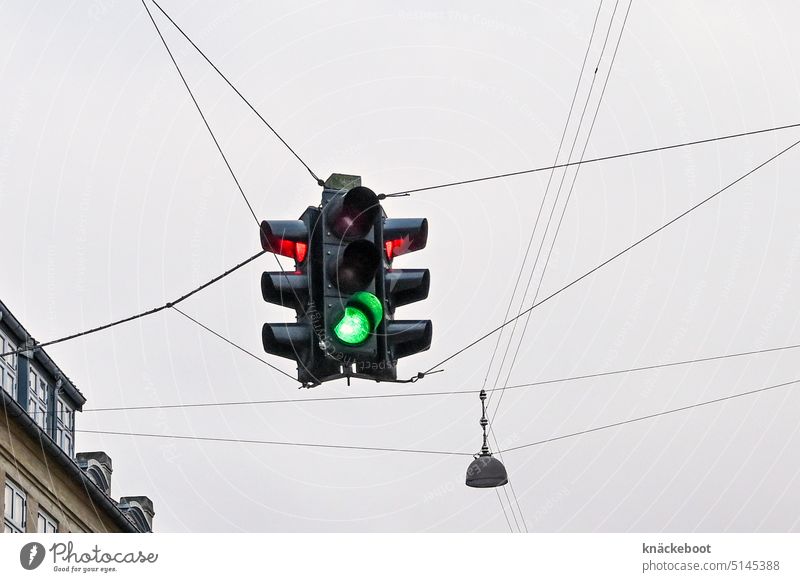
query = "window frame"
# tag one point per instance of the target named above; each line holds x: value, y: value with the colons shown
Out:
x: 65, y: 425
x: 9, y: 516
x: 8, y: 366
x: 49, y: 520
x: 38, y: 397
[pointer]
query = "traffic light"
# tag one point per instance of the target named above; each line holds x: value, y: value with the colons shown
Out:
x: 343, y: 289
x: 295, y: 289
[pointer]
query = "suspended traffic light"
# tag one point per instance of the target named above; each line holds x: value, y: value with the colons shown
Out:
x: 343, y: 288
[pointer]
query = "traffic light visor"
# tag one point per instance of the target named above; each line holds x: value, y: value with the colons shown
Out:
x: 288, y: 238
x: 353, y: 214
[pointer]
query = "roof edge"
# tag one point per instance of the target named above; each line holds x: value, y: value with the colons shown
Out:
x: 49, y: 446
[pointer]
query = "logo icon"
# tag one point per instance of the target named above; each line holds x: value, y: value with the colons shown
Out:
x: 31, y: 555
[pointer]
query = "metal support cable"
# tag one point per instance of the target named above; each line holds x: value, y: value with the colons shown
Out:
x: 319, y: 181
x: 614, y: 257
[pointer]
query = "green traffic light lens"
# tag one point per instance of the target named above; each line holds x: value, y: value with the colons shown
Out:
x: 362, y: 314
x: 354, y: 327
x: 370, y: 304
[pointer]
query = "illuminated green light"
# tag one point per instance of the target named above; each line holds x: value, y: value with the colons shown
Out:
x: 373, y: 306
x: 362, y: 314
x: 354, y: 327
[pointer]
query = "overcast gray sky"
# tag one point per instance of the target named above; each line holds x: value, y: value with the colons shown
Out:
x: 113, y: 199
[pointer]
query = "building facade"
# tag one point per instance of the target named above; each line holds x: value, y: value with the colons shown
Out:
x: 49, y: 488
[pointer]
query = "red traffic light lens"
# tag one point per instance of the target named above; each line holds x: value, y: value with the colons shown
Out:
x: 288, y: 238
x: 392, y: 246
x: 293, y: 250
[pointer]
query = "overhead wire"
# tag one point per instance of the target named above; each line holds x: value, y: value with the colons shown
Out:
x: 200, y: 111
x: 560, y: 220
x: 613, y: 258
x: 277, y: 443
x: 505, y: 514
x: 544, y: 197
x: 173, y: 303
x: 319, y: 181
x: 235, y: 345
x: 185, y: 296
x: 435, y: 393
x: 654, y: 415
x: 451, y: 453
x: 430, y: 370
x: 593, y: 160
x: 538, y: 217
x: 216, y: 142
x: 534, y: 230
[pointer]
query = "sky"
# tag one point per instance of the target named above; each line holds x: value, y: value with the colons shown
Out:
x: 113, y: 200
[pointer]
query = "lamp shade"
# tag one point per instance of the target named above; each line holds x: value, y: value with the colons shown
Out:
x: 486, y: 471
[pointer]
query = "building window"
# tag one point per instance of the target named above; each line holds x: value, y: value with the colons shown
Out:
x: 46, y: 523
x: 65, y: 426
x: 15, y: 509
x: 37, y: 398
x: 8, y: 366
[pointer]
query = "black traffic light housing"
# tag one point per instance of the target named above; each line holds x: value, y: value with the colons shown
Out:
x: 343, y: 289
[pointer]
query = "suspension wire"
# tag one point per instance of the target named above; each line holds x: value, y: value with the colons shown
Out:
x: 592, y: 160
x: 560, y: 220
x: 37, y: 345
x: 319, y: 181
x: 555, y: 203
x: 510, y: 505
x: 538, y: 218
x: 429, y: 394
x: 544, y: 198
x: 235, y: 345
x: 510, y: 485
x: 616, y: 256
x: 200, y: 111
x: 503, y: 507
x: 654, y: 415
x: 219, y: 148
x: 452, y: 453
x: 277, y: 443
x: 558, y: 193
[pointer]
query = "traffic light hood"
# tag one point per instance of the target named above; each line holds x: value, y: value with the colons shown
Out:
x: 404, y: 235
x: 352, y: 215
x: 288, y: 238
